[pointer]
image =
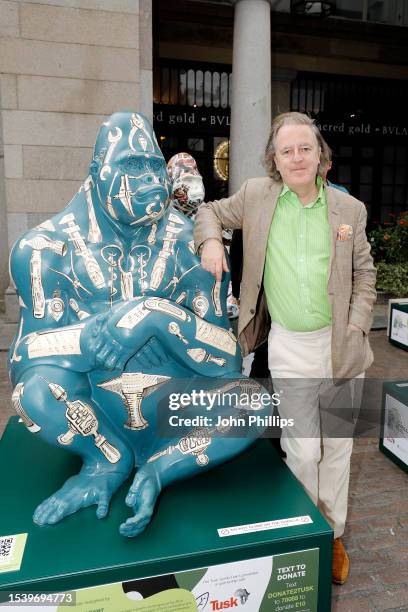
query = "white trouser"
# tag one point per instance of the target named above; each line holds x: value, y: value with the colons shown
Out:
x: 300, y: 365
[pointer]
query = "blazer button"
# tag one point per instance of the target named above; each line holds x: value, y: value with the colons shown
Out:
x: 252, y: 311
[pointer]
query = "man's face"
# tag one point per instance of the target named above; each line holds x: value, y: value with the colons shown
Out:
x: 297, y: 156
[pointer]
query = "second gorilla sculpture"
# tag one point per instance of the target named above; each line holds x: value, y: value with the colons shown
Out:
x: 187, y: 187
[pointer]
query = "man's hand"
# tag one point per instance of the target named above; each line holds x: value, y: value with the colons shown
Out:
x: 213, y: 258
x: 354, y: 327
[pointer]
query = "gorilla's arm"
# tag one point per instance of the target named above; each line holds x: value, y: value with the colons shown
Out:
x: 196, y: 344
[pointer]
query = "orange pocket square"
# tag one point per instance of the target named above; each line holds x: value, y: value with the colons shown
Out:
x: 344, y: 232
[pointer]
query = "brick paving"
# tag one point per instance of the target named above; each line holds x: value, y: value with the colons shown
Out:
x: 377, y: 530
x: 376, y: 534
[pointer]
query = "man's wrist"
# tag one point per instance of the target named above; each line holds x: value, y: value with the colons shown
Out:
x: 200, y: 248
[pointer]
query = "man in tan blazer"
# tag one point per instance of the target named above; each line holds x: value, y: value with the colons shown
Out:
x: 307, y: 261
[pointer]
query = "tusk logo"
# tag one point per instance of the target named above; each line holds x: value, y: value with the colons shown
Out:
x: 226, y: 604
x: 240, y: 596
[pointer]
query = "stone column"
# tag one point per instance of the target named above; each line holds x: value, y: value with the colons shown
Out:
x: 251, y: 90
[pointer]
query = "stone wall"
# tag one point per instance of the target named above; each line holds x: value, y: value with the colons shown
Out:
x: 64, y: 66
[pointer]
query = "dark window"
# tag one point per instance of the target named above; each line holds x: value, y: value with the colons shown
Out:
x: 181, y: 84
x: 364, y: 122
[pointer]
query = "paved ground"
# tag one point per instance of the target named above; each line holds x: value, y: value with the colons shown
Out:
x: 377, y: 530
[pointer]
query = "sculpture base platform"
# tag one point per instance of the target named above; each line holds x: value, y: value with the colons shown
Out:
x: 398, y: 325
x: 394, y: 430
x: 243, y: 533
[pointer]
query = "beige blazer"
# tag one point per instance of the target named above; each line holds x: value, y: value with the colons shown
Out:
x: 351, y: 277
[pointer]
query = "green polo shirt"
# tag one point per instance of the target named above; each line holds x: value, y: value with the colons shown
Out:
x: 297, y: 263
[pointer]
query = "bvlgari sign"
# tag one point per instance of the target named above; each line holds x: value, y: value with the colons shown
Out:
x: 362, y: 129
x: 218, y: 121
x: 199, y: 118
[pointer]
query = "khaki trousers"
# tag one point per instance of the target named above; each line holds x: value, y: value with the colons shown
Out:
x: 300, y: 365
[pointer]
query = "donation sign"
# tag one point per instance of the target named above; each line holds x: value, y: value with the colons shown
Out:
x: 279, y: 583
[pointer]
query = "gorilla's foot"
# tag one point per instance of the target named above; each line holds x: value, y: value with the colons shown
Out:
x: 142, y: 498
x: 90, y: 486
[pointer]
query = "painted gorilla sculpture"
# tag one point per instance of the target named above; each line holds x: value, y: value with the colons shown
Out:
x: 187, y: 187
x: 115, y: 307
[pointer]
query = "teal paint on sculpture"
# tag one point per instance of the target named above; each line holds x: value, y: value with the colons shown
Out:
x: 116, y: 311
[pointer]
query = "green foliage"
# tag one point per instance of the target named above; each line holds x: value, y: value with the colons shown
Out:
x: 389, y: 248
x: 393, y: 278
x: 389, y: 244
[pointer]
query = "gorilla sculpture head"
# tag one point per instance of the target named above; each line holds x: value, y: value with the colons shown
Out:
x: 187, y: 183
x: 129, y: 170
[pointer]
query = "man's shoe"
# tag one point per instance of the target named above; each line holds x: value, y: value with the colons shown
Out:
x: 341, y: 562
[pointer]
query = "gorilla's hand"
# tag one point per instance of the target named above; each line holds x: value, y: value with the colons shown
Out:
x: 99, y: 345
x: 151, y: 355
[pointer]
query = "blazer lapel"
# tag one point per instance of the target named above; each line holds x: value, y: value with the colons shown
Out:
x: 333, y: 215
x: 268, y: 206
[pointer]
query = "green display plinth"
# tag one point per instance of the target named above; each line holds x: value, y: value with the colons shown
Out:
x: 398, y: 329
x: 250, y: 511
x: 394, y: 429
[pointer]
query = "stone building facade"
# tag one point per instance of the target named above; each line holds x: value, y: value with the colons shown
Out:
x: 64, y: 66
